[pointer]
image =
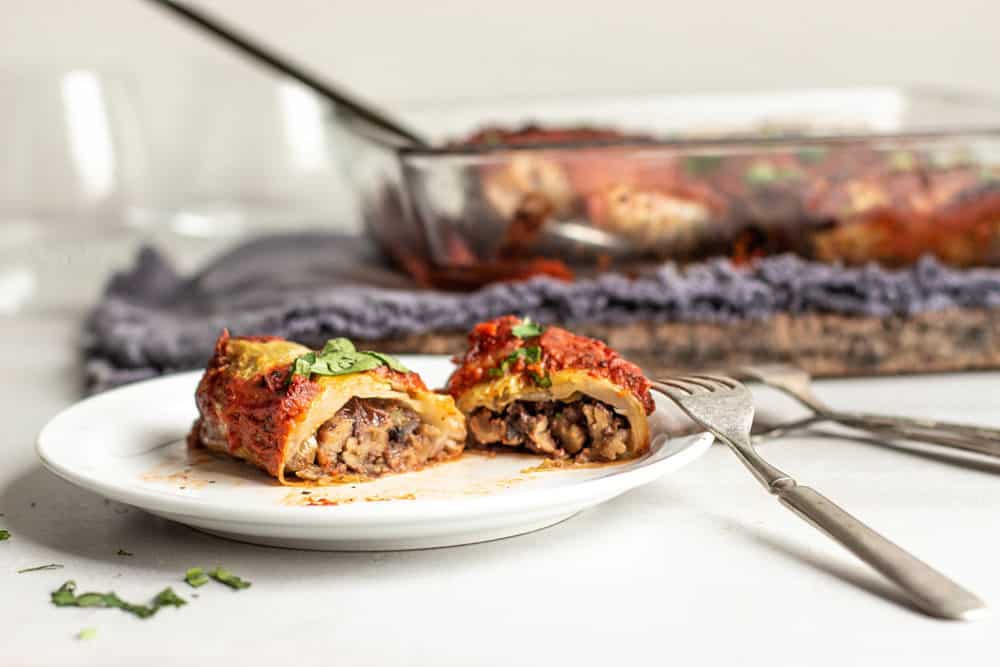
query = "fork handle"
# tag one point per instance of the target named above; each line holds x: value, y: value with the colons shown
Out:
x: 970, y: 438
x: 930, y: 590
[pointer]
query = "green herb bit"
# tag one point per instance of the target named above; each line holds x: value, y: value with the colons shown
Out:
x: 902, y: 161
x: 337, y: 346
x: 811, y: 154
x: 66, y: 596
x: 87, y: 633
x: 226, y: 577
x: 527, y: 329
x: 702, y: 165
x: 339, y: 357
x: 390, y: 361
x: 531, y: 355
x: 122, y: 552
x: 168, y: 598
x: 543, y: 381
x: 4, y: 535
x: 196, y: 577
x: 39, y: 568
x: 763, y: 173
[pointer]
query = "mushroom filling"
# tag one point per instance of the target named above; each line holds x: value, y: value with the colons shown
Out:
x: 584, y: 430
x: 370, y: 436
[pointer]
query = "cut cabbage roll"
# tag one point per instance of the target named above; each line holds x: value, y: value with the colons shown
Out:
x: 551, y: 392
x: 321, y: 417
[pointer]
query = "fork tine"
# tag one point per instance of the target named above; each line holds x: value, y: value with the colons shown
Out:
x: 697, y: 381
x: 726, y: 382
x: 692, y: 388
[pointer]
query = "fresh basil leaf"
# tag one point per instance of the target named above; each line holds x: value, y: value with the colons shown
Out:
x: 337, y: 346
x: 39, y: 568
x: 87, y: 633
x: 763, y: 173
x: 303, y: 365
x: 226, y: 577
x: 527, y: 329
x: 66, y: 596
x: 168, y: 598
x: 339, y: 357
x: 702, y: 165
x: 902, y: 160
x: 531, y: 355
x: 196, y: 577
x: 4, y: 535
x: 390, y: 361
x: 811, y: 154
x: 98, y: 600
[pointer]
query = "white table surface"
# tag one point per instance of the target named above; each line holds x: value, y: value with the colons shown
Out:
x: 701, y: 567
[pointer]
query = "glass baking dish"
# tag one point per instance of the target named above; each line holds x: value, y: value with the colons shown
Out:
x: 843, y: 176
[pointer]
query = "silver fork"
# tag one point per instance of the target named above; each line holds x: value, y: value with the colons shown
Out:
x: 797, y: 384
x: 724, y: 407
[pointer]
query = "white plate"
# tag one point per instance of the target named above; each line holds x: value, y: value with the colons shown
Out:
x: 128, y: 445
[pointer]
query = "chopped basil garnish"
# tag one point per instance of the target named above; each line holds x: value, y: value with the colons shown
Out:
x: 763, y: 173
x: 87, y: 633
x: 339, y: 357
x: 702, y: 165
x: 66, y: 596
x: 167, y: 598
x: 543, y: 381
x: 811, y: 154
x: 226, y: 577
x: 531, y: 355
x: 902, y: 161
x: 196, y: 577
x: 527, y: 329
x: 4, y: 535
x: 39, y: 568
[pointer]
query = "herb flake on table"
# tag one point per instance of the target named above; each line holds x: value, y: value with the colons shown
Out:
x: 340, y: 357
x: 66, y: 596
x: 195, y: 577
x: 224, y: 576
x: 4, y: 535
x: 39, y: 568
x: 122, y: 552
x: 87, y: 633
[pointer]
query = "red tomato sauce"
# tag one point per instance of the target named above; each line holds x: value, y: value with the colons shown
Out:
x: 492, y: 342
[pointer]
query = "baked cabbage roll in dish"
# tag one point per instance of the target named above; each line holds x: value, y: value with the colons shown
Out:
x: 321, y: 417
x: 549, y: 391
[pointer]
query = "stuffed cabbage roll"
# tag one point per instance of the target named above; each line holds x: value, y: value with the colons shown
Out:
x: 549, y: 391
x: 321, y: 417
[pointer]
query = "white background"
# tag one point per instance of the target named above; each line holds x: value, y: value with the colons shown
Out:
x: 700, y: 568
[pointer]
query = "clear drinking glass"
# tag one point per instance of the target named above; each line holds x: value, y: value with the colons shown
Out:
x: 73, y: 172
x: 258, y: 160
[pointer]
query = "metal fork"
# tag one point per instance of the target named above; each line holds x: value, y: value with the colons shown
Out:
x: 797, y: 384
x: 724, y: 407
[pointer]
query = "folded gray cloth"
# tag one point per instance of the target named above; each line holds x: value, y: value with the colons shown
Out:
x: 312, y: 287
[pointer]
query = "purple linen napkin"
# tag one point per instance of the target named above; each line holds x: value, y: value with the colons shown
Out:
x: 312, y: 287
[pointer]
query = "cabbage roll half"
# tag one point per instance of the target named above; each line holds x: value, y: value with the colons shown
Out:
x: 549, y: 391
x: 321, y: 417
